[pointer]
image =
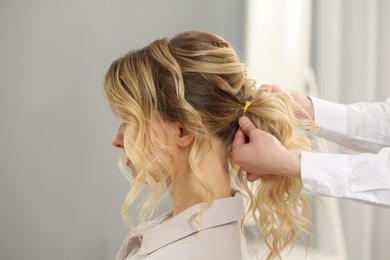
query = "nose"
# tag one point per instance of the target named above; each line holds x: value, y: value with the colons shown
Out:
x: 117, y: 139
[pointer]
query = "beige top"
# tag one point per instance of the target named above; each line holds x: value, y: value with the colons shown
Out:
x: 218, y: 235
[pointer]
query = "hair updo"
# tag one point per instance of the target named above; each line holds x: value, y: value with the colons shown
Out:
x: 197, y: 79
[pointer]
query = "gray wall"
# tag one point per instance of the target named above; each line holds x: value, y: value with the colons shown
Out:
x: 60, y: 189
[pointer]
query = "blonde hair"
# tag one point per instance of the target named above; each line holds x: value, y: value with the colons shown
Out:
x: 197, y: 79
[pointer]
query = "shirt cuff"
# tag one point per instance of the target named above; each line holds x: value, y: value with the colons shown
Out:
x: 330, y: 116
x: 325, y: 174
x: 370, y: 172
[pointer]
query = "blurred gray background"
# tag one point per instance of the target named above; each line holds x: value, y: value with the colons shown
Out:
x: 60, y: 188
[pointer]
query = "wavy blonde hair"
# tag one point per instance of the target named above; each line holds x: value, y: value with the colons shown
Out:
x: 197, y: 79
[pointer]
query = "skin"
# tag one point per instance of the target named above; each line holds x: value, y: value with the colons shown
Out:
x: 264, y: 154
x: 303, y: 107
x: 185, y: 190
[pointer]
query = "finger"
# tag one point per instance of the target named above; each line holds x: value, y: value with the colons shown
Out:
x: 239, y: 138
x: 252, y: 176
x: 246, y: 125
x: 271, y: 88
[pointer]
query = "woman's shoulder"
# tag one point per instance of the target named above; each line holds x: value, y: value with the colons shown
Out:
x: 213, y: 234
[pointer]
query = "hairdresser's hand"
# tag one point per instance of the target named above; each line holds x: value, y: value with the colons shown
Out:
x: 263, y: 154
x: 302, y: 105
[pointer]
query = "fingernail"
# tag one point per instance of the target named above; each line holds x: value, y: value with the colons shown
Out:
x: 242, y: 120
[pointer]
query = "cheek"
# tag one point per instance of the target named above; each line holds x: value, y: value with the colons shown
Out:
x: 163, y: 164
x: 161, y: 158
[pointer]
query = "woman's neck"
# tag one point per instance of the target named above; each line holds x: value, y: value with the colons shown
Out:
x: 186, y: 191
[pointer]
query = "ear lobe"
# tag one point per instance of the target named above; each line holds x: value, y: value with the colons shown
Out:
x: 184, y: 139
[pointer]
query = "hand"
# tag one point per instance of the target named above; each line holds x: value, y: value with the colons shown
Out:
x: 302, y: 105
x: 263, y: 154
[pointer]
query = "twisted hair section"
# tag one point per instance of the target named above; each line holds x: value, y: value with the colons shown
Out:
x: 197, y: 79
x: 276, y: 203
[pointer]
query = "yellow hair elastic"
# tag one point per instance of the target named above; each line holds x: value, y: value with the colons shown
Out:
x: 247, y: 104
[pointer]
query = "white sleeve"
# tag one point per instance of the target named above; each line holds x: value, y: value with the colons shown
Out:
x: 362, y: 126
x: 364, y: 177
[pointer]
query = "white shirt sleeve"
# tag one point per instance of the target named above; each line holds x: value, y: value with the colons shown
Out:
x: 364, y: 177
x: 363, y: 127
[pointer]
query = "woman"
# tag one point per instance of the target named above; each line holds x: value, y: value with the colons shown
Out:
x: 179, y: 102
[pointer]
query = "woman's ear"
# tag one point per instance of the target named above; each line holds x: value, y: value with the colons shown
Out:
x: 184, y: 139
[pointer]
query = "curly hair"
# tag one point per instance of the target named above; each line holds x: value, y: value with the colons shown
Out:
x: 197, y: 79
